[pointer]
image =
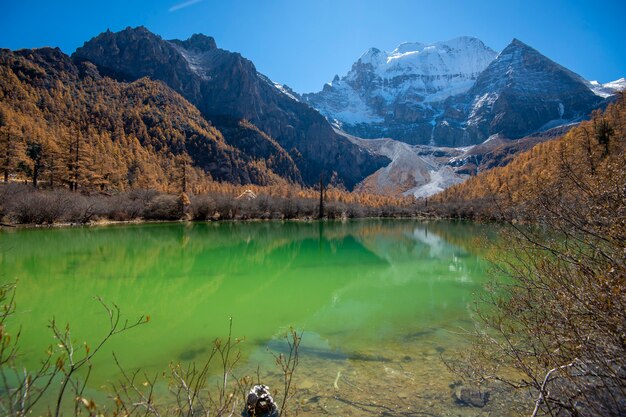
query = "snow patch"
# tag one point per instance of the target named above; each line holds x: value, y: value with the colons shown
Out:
x: 440, y: 179
x: 608, y: 89
x: 486, y: 100
x: 492, y: 138
x: 285, y: 91
x: 194, y: 61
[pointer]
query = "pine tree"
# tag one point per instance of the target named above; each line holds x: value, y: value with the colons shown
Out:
x: 11, y: 146
x: 34, y: 151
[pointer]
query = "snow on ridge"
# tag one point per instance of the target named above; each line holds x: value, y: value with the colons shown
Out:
x: 464, y: 56
x: 458, y: 56
x: 408, y: 47
x: 372, y: 56
x: 193, y: 61
x: 617, y: 84
x: 285, y: 91
x: 486, y: 100
x: 461, y: 42
x: 607, y: 89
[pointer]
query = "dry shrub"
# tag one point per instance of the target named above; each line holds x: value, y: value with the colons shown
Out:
x: 163, y: 207
x: 40, y: 207
x: 202, y: 207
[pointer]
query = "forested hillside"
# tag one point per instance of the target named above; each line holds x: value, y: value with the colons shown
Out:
x: 227, y: 88
x: 62, y: 124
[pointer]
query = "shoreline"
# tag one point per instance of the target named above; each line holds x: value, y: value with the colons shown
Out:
x: 102, y: 223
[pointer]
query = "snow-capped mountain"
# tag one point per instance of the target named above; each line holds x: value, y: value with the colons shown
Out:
x: 456, y: 93
x: 403, y: 86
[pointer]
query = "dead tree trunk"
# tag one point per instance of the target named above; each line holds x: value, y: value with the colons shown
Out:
x: 321, y: 209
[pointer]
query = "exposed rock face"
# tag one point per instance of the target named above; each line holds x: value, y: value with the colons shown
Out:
x: 224, y: 85
x: 456, y: 93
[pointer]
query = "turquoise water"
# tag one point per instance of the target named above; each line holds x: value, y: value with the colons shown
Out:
x: 378, y: 301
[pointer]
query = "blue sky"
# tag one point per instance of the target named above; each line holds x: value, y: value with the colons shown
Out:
x: 303, y: 43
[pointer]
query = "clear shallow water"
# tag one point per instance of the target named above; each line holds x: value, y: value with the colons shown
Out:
x: 378, y: 301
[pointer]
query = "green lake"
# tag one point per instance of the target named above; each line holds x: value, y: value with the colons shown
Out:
x: 379, y: 302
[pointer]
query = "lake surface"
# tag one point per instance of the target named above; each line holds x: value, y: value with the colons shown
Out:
x: 379, y: 302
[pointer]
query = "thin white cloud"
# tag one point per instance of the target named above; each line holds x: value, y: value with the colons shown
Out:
x: 183, y: 5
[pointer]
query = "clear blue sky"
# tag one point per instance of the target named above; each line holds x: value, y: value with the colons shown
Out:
x: 303, y: 43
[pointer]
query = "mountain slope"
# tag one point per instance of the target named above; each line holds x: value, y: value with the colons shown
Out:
x: 224, y: 85
x: 422, y: 170
x: 414, y: 170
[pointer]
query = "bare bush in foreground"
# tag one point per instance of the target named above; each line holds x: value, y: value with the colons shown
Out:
x: 209, y: 388
x: 556, y: 326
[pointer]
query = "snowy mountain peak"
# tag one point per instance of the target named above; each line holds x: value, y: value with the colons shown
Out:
x: 523, y: 69
x: 514, y: 51
x: 518, y: 44
x: 403, y: 84
x: 463, y: 55
x: 536, y: 92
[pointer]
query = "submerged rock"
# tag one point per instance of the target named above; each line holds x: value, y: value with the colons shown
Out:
x: 470, y: 396
x: 260, y: 403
